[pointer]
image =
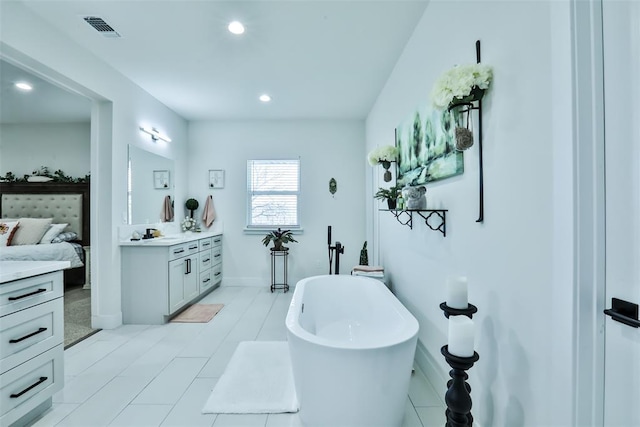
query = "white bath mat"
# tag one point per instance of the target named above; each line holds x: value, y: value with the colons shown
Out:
x: 257, y: 380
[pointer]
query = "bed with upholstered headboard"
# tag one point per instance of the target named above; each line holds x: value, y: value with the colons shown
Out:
x: 64, y: 203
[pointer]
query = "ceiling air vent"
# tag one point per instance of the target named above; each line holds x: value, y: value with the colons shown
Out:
x: 102, y: 27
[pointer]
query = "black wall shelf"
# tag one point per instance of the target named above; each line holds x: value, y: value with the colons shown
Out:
x: 405, y: 217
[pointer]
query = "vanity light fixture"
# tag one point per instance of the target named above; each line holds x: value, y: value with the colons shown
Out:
x: 264, y: 98
x: 24, y: 86
x: 236, y: 27
x: 155, y: 135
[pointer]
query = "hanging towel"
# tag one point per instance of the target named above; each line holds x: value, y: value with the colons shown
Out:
x: 166, y: 214
x: 209, y: 214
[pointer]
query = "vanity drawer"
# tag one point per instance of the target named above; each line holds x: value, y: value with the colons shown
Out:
x: 216, y: 255
x: 21, y: 294
x: 216, y: 273
x: 205, y: 243
x: 178, y: 251
x: 217, y: 240
x: 206, y: 260
x: 192, y: 247
x: 28, y: 385
x: 206, y: 280
x: 29, y: 332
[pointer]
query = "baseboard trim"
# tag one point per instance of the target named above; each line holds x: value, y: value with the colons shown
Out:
x: 111, y: 321
x: 431, y: 369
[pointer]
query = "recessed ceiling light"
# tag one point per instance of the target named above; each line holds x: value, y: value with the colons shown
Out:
x: 236, y: 27
x: 265, y: 98
x: 23, y: 86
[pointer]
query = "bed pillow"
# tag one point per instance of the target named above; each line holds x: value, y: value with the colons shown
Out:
x: 53, y: 231
x: 7, y: 230
x: 30, y: 231
x: 68, y: 236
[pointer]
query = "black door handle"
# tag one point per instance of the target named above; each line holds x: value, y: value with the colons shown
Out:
x: 624, y: 312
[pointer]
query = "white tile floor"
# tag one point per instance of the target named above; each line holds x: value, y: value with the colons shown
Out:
x: 138, y: 376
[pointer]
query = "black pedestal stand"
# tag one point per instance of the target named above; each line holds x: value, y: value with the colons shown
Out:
x: 458, y: 397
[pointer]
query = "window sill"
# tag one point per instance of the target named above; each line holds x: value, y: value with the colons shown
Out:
x: 265, y: 230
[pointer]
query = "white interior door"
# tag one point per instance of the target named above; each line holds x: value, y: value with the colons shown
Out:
x: 621, y: 45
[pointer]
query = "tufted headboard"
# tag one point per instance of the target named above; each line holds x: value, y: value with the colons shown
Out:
x: 64, y: 202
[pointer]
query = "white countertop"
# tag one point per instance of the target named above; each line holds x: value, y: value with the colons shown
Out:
x: 170, y: 240
x: 14, y: 270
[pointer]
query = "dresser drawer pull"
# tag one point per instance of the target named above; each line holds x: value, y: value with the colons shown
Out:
x: 27, y: 336
x: 217, y: 274
x: 178, y: 252
x: 206, y: 260
x: 40, y: 381
x: 206, y: 244
x: 217, y: 241
x: 39, y: 291
x: 193, y: 247
x: 217, y: 255
x: 206, y: 280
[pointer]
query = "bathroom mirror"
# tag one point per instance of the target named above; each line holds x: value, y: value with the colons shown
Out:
x: 150, y: 179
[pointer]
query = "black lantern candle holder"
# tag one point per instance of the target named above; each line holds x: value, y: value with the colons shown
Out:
x: 458, y: 395
x: 450, y: 311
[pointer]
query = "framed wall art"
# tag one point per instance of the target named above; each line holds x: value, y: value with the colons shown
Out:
x: 216, y: 178
x: 161, y: 179
x: 427, y: 147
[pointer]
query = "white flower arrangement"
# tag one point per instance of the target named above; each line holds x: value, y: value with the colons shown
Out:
x: 458, y: 83
x: 387, y: 153
x: 188, y: 224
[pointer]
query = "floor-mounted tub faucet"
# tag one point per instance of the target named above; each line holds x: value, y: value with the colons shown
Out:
x: 338, y: 248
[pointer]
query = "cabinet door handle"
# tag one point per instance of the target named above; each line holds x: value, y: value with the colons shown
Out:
x: 217, y: 241
x: 206, y: 280
x: 16, y: 340
x: 206, y: 244
x: 36, y: 384
x: 217, y: 255
x: 187, y: 263
x: 217, y: 274
x: 206, y: 260
x: 39, y: 291
x: 193, y: 247
x: 179, y: 251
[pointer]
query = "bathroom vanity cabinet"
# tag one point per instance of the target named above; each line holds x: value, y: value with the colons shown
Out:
x: 32, y: 336
x: 160, y: 277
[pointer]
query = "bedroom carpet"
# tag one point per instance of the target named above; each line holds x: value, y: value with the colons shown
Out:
x: 77, y: 315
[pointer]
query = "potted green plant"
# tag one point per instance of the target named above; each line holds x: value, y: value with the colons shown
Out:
x: 279, y: 237
x: 388, y: 194
x: 192, y: 205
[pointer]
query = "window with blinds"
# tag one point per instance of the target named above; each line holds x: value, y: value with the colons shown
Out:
x: 273, y: 189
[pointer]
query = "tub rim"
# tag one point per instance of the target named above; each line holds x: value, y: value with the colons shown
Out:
x: 408, y: 332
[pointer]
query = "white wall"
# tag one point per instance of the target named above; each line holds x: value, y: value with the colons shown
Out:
x: 120, y: 108
x: 519, y: 260
x: 27, y: 147
x: 327, y: 149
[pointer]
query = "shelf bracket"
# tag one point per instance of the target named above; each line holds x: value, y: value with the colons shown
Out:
x: 442, y: 227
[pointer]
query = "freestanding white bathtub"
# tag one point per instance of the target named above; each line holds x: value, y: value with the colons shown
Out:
x: 352, y: 345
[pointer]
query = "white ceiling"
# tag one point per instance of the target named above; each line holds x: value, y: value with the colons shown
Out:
x: 317, y: 59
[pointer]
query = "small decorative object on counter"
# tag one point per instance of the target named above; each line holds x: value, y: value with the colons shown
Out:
x: 384, y: 156
x: 188, y: 224
x: 400, y: 202
x: 135, y: 236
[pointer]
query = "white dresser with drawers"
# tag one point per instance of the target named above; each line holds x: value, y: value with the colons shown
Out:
x: 162, y: 276
x: 31, y: 338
